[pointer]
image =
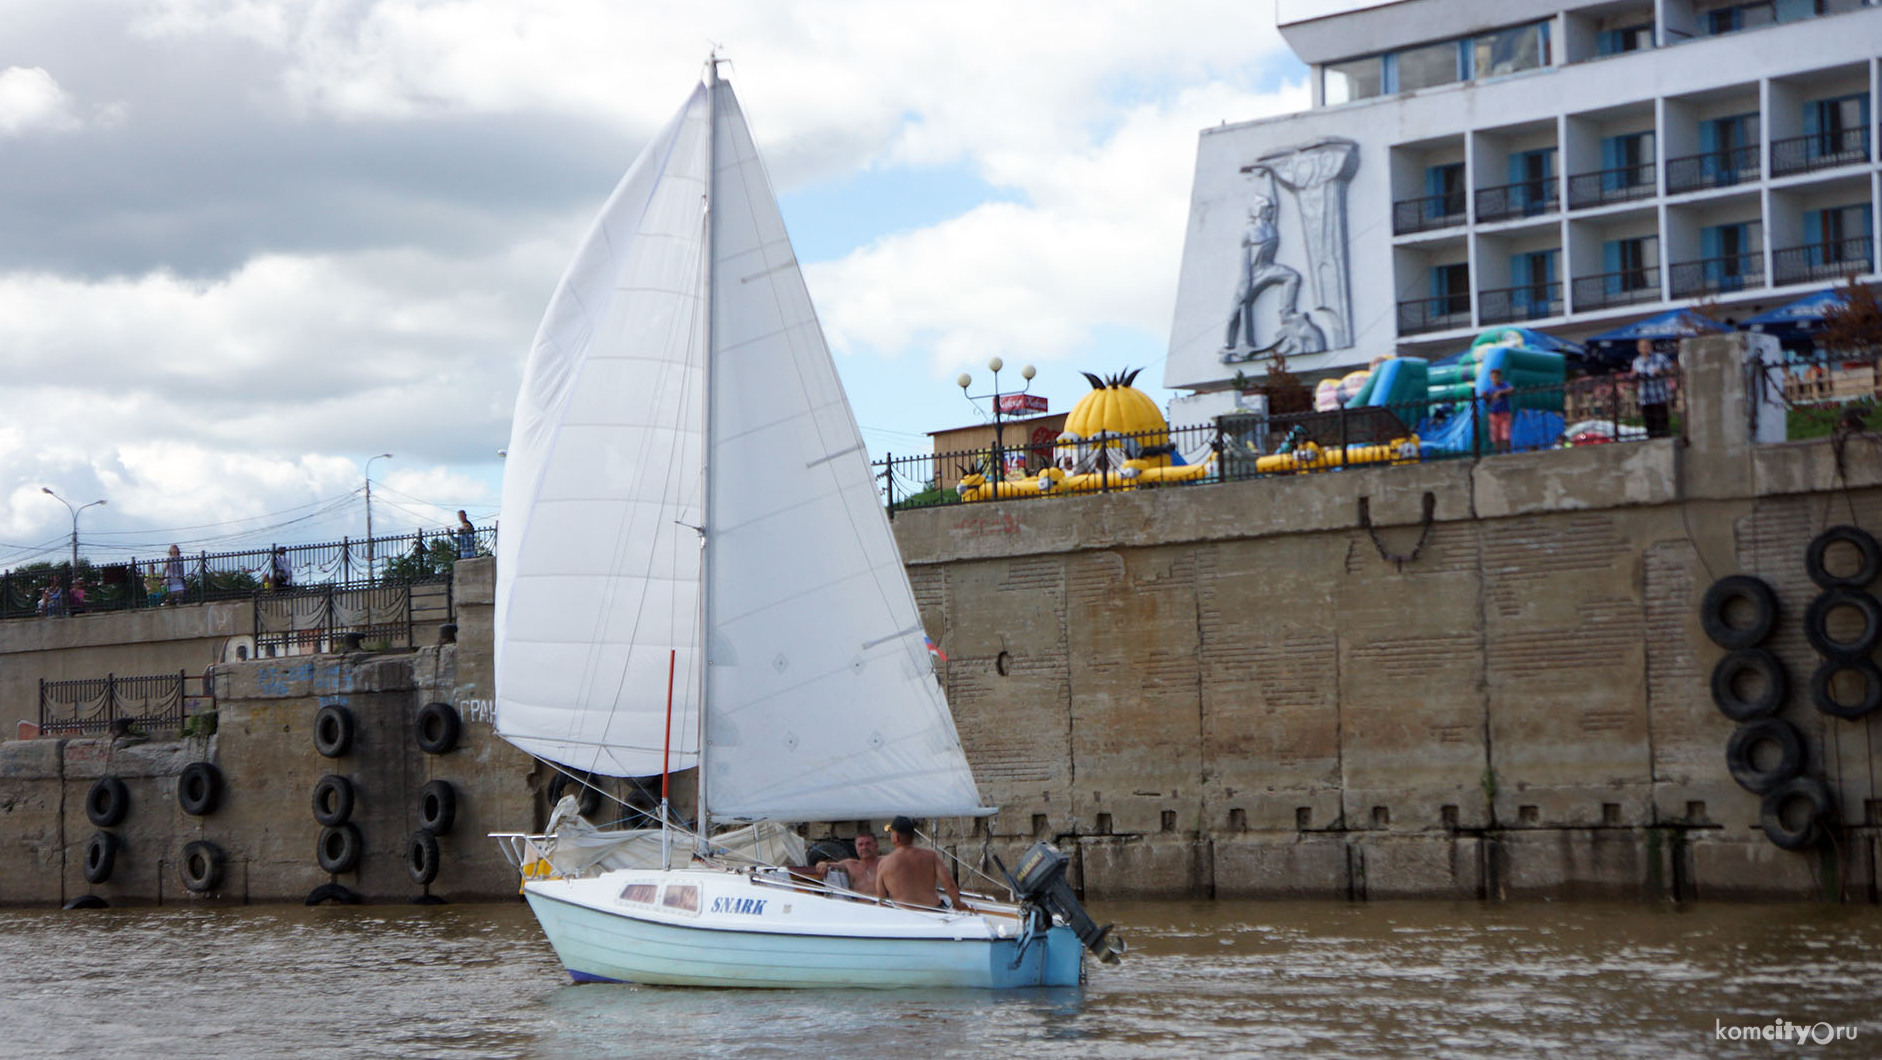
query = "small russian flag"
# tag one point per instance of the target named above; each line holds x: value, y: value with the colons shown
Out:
x: 933, y: 650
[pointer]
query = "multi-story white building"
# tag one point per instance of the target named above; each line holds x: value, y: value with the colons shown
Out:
x: 1564, y: 165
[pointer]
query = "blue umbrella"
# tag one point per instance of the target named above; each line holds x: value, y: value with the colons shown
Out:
x: 1674, y: 324
x: 1614, y: 347
x: 1796, y: 322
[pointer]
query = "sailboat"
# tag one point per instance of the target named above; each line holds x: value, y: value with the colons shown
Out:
x: 695, y: 572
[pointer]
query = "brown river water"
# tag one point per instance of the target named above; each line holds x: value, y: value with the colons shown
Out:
x: 1283, y: 979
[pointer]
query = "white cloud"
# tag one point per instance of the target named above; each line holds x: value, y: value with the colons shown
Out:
x: 30, y: 99
x: 1097, y: 245
x: 192, y: 401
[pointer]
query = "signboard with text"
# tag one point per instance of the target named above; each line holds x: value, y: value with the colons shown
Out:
x: 1022, y: 403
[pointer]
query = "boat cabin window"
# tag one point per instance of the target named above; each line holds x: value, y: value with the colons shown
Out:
x: 684, y: 897
x: 640, y: 892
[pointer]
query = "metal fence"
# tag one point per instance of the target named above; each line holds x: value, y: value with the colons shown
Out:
x: 141, y: 582
x: 318, y: 619
x: 1593, y: 410
x: 90, y: 706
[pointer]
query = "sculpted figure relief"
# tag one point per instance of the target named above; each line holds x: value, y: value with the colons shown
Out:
x: 1315, y: 177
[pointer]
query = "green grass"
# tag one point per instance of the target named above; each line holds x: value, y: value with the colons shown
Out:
x: 1817, y: 421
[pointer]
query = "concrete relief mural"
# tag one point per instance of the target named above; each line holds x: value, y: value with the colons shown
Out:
x: 1315, y: 177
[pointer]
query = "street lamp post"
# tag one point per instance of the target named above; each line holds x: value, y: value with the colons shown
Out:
x: 47, y: 490
x: 369, y: 541
x: 994, y: 364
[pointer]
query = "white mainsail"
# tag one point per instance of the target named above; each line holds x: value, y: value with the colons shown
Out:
x: 821, y: 701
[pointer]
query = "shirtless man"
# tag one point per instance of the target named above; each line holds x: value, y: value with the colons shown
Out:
x: 861, y: 869
x: 909, y: 875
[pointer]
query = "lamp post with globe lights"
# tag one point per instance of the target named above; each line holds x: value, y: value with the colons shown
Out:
x: 1000, y: 401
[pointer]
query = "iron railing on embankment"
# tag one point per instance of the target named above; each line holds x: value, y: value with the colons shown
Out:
x: 319, y: 619
x: 1587, y: 411
x: 89, y: 706
x: 138, y: 582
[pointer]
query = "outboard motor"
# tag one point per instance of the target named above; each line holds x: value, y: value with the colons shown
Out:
x: 1040, y: 883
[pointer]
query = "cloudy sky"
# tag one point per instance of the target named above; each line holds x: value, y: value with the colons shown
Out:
x: 246, y: 244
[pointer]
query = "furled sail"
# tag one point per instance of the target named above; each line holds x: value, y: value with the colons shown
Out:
x: 822, y: 702
x: 599, y: 555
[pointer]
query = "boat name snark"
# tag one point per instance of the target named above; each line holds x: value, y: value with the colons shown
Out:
x: 743, y: 906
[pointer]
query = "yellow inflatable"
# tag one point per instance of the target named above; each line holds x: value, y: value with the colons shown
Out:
x: 1309, y: 456
x: 1115, y: 438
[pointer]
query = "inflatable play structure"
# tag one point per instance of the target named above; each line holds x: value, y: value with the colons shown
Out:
x: 1439, y: 396
x: 1114, y: 438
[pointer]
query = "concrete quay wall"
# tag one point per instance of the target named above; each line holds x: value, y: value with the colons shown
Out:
x: 264, y: 748
x: 1242, y: 691
x: 127, y: 643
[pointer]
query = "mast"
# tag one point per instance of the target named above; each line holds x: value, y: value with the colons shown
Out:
x: 704, y: 822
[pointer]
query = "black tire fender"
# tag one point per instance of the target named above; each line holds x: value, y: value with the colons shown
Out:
x: 1871, y: 688
x: 1744, y: 587
x: 1747, y: 737
x: 333, y: 731
x: 587, y: 800
x: 101, y: 851
x: 1817, y: 623
x: 333, y: 800
x: 199, y: 789
x: 437, y: 807
x: 1766, y: 666
x: 88, y: 901
x: 1822, y: 810
x: 331, y: 892
x: 421, y: 859
x: 107, y: 802
x: 200, y: 867
x: 338, y: 848
x: 1864, y: 543
x: 439, y: 727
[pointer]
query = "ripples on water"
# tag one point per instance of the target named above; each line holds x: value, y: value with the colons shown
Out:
x: 1216, y: 979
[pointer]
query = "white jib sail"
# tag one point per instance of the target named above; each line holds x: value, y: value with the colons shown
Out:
x: 598, y: 558
x: 823, y: 703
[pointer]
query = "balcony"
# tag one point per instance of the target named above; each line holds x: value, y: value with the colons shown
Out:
x: 1604, y: 186
x: 1716, y: 169
x: 1735, y: 272
x: 1427, y: 213
x: 1824, y: 262
x: 1805, y: 154
x: 1433, y: 314
x: 1609, y: 289
x: 1529, y: 199
x: 1507, y: 305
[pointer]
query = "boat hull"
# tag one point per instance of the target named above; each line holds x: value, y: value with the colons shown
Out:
x: 600, y: 944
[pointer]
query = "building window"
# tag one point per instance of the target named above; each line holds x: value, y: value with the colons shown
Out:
x: 1444, y: 191
x: 1626, y: 39
x: 1450, y: 290
x: 1627, y: 161
x: 1494, y: 54
x: 1532, y: 173
x: 1840, y: 233
x: 1730, y: 254
x: 1509, y: 51
x: 1631, y: 264
x: 1837, y: 126
x: 1433, y: 64
x: 1356, y: 79
x: 1532, y: 282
